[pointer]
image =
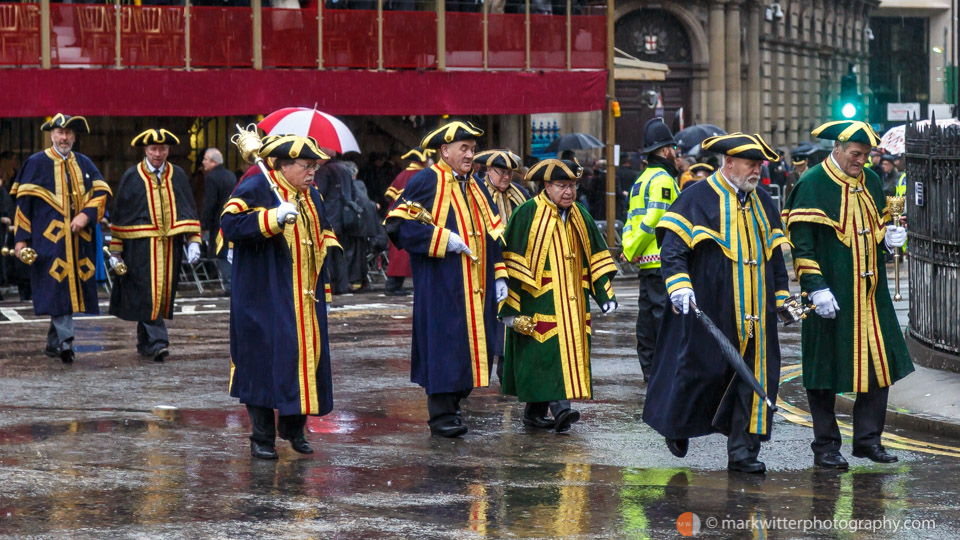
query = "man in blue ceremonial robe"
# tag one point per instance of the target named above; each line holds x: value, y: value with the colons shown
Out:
x: 280, y: 354
x: 450, y: 227
x: 720, y: 251
x: 153, y: 218
x: 60, y: 197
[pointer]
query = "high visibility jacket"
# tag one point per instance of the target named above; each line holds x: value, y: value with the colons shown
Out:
x: 902, y: 185
x: 650, y: 197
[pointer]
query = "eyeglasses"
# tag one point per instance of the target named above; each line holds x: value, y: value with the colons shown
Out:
x: 315, y: 167
x: 565, y: 187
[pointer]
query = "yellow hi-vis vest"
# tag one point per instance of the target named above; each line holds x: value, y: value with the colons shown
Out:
x: 650, y: 198
x: 902, y: 185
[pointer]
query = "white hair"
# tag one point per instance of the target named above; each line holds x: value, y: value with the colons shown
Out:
x: 214, y: 155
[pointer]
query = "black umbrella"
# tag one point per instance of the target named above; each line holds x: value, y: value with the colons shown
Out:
x: 803, y: 149
x: 689, y: 137
x: 732, y: 356
x: 575, y: 141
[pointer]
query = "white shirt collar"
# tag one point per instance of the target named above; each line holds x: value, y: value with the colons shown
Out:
x: 151, y: 167
x: 729, y: 183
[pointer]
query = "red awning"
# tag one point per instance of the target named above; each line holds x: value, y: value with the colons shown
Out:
x: 144, y: 92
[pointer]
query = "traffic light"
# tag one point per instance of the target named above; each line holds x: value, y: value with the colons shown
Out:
x: 851, y: 101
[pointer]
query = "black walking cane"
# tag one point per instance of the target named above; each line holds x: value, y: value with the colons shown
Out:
x: 731, y: 354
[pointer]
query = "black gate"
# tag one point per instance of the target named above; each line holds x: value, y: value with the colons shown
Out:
x: 933, y: 196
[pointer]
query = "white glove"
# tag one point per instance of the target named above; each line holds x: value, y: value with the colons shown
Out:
x: 508, y: 321
x: 285, y: 209
x: 193, y: 252
x: 501, y: 290
x: 455, y: 244
x: 609, y: 307
x: 827, y: 306
x: 895, y: 237
x: 114, y: 261
x: 681, y: 299
x: 328, y: 309
x: 230, y: 255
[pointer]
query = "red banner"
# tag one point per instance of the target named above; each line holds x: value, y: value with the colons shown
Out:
x: 159, y: 92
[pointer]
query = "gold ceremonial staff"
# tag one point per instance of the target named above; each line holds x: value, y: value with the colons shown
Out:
x: 121, y: 267
x: 416, y: 211
x: 895, y: 206
x: 248, y: 142
x: 27, y: 255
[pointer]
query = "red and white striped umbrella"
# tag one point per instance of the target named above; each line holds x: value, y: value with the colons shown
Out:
x: 329, y: 132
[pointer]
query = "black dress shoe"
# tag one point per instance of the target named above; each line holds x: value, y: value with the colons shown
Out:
x: 830, y: 460
x: 262, y: 451
x: 52, y: 352
x: 451, y: 431
x: 875, y: 453
x: 66, y: 352
x: 301, y: 446
x: 400, y: 292
x: 538, y: 421
x: 748, y: 465
x: 565, y: 419
x: 678, y: 447
x: 161, y: 355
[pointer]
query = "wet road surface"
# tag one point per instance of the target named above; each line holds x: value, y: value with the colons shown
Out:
x: 115, y: 446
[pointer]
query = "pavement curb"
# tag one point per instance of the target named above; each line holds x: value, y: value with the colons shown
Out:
x: 905, y: 419
x: 929, y: 357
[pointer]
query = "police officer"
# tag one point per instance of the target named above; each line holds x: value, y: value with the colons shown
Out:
x: 650, y: 197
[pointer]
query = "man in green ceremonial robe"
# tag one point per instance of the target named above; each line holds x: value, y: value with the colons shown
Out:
x: 555, y: 258
x: 835, y: 218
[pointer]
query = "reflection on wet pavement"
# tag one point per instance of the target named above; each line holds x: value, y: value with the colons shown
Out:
x: 118, y: 447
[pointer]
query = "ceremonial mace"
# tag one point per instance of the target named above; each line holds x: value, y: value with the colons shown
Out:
x: 895, y: 206
x: 121, y: 267
x: 248, y: 142
x: 416, y: 211
x: 27, y: 255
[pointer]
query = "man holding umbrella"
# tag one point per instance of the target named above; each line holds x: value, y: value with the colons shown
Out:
x: 650, y: 197
x: 720, y: 253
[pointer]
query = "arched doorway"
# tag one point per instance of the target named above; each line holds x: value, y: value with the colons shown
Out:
x: 653, y: 35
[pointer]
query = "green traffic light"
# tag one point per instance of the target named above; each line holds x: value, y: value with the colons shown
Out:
x: 849, y: 110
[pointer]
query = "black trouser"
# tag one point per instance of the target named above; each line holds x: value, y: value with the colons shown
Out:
x: 61, y: 330
x: 535, y: 409
x: 741, y: 444
x: 152, y: 336
x: 652, y: 298
x: 444, y: 408
x: 393, y: 284
x: 869, y: 417
x: 262, y: 422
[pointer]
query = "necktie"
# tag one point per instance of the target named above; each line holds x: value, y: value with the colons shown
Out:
x: 742, y: 197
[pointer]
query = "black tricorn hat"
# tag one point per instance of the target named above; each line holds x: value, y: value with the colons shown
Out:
x: 550, y: 170
x: 696, y: 167
x: 656, y: 135
x: 741, y: 145
x: 77, y: 123
x: 503, y: 159
x: 154, y: 136
x: 418, y: 154
x: 290, y: 147
x: 451, y: 132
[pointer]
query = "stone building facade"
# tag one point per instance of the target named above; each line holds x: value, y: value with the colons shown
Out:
x: 768, y: 67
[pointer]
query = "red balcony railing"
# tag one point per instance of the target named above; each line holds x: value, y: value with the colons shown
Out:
x: 224, y: 37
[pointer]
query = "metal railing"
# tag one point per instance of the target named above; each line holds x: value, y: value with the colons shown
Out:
x: 933, y: 194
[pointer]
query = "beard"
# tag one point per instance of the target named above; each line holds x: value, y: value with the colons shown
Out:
x: 746, y: 184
